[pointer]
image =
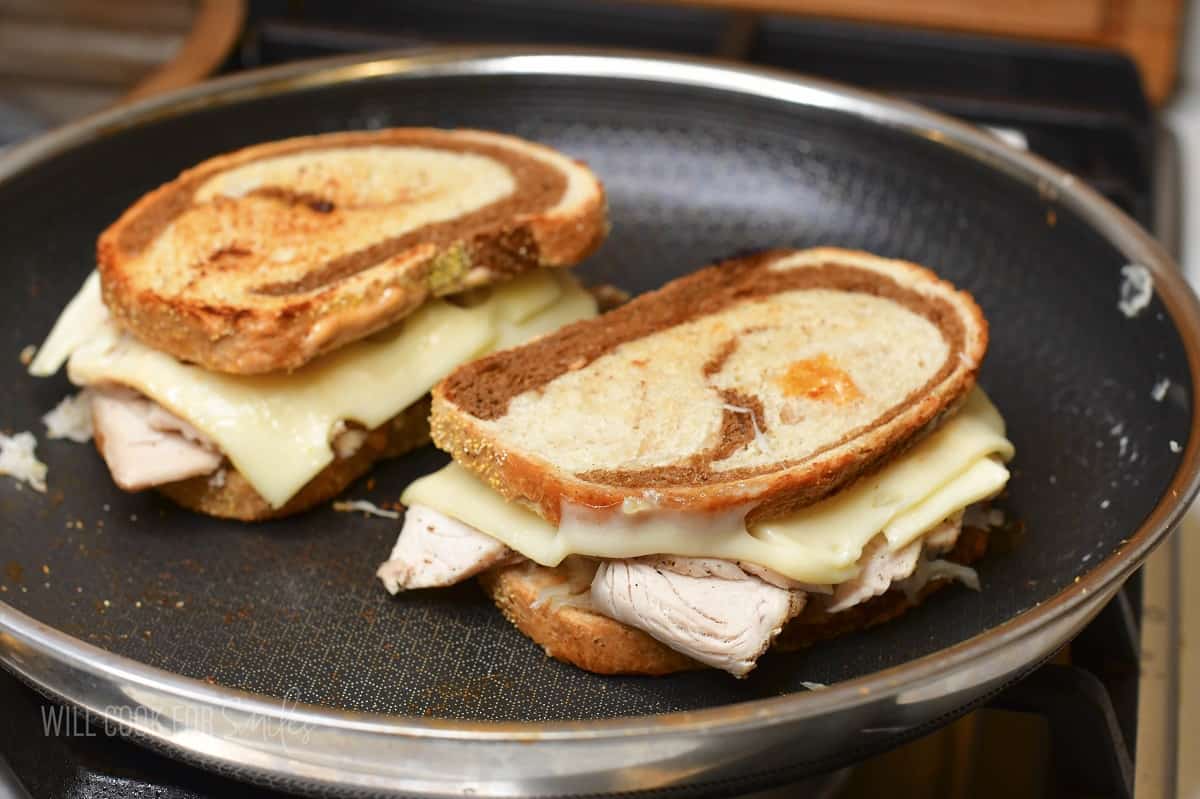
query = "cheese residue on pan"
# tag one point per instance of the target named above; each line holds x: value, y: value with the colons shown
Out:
x: 1137, y: 289
x: 365, y: 506
x: 956, y: 466
x: 19, y: 461
x: 71, y: 418
x: 276, y: 428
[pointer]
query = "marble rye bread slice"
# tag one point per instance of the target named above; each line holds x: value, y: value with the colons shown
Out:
x: 758, y: 385
x: 264, y: 258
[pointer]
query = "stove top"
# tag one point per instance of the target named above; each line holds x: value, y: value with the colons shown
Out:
x: 1073, y: 726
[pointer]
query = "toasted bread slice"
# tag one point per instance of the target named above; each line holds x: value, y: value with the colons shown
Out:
x: 763, y: 384
x: 593, y: 642
x: 233, y: 497
x: 572, y: 634
x: 265, y: 258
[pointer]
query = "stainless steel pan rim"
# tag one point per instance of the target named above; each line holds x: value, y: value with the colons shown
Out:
x: 97, y: 675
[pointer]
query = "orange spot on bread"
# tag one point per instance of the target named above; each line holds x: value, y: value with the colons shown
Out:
x: 819, y: 379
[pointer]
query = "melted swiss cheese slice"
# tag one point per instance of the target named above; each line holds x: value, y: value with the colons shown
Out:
x: 277, y: 429
x: 958, y: 464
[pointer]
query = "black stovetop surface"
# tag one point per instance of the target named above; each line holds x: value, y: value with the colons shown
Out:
x: 1083, y: 109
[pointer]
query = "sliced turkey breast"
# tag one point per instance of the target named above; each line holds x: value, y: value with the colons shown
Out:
x: 145, y: 445
x: 720, y: 612
x: 434, y: 550
x: 881, y: 566
x: 708, y: 609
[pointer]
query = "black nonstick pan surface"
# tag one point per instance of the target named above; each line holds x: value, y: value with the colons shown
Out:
x: 291, y: 610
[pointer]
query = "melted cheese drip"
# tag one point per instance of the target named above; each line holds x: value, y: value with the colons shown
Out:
x: 957, y: 465
x: 277, y: 429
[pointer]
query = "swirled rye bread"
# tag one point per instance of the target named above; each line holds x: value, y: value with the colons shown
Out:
x: 677, y: 392
x: 768, y: 452
x: 264, y: 258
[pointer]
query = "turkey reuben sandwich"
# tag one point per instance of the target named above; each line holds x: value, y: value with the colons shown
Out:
x: 774, y: 449
x: 266, y: 326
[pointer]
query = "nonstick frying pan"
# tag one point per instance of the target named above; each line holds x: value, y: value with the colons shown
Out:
x: 270, y: 651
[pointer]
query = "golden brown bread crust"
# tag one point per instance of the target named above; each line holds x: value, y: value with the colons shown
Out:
x: 575, y: 635
x: 235, y: 498
x: 282, y: 325
x: 602, y: 645
x: 480, y: 391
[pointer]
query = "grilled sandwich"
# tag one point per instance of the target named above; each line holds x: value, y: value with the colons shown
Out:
x: 265, y: 327
x: 772, y: 450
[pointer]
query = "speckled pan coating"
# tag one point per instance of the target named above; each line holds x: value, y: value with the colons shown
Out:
x: 290, y: 609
